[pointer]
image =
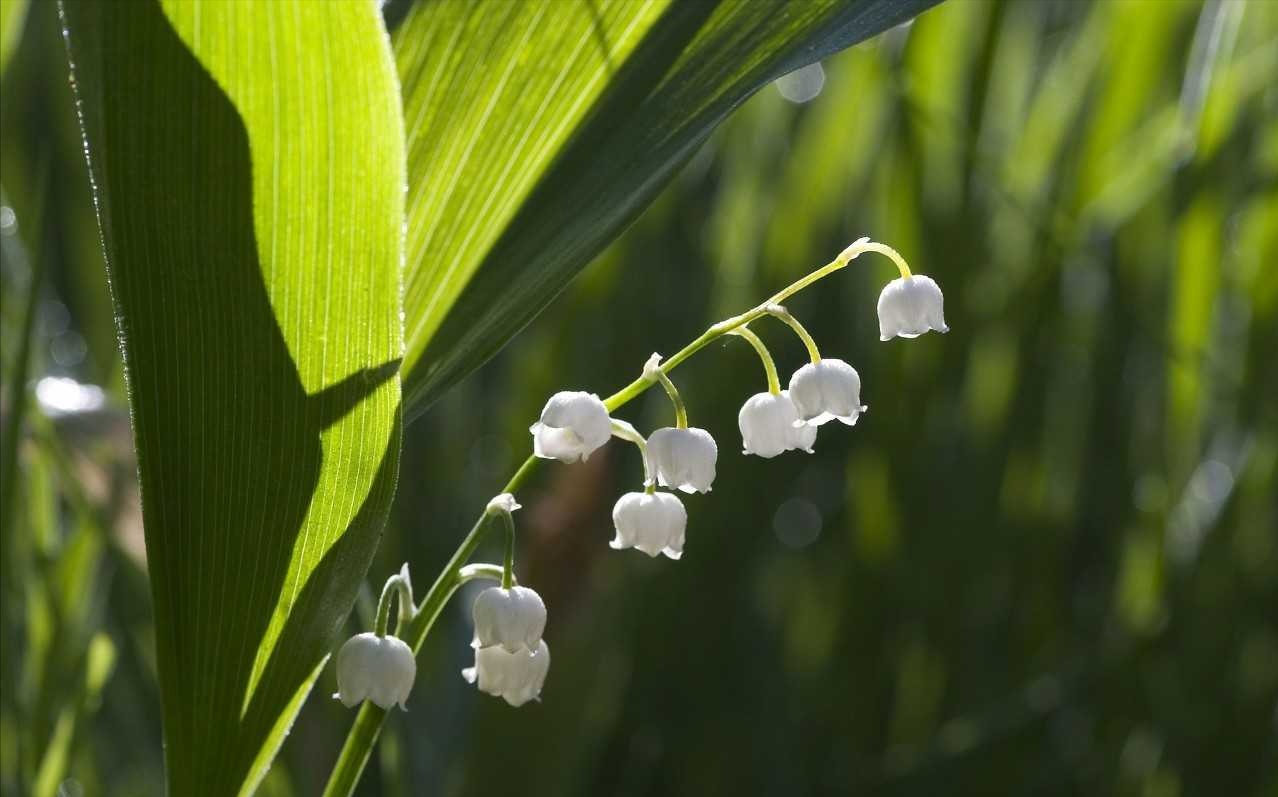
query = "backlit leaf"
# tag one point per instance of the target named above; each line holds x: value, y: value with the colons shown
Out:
x: 248, y: 168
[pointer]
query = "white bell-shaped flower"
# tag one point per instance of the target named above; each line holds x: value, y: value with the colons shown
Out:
x: 573, y: 425
x: 825, y: 390
x: 651, y: 522
x: 376, y: 668
x: 683, y: 459
x: 512, y: 618
x: 910, y: 306
x: 770, y: 425
x: 515, y: 677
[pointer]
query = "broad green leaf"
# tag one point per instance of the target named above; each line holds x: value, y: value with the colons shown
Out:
x: 536, y: 131
x: 248, y: 166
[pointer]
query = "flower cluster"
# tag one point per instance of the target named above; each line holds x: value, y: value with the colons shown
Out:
x: 772, y: 422
x: 511, y: 657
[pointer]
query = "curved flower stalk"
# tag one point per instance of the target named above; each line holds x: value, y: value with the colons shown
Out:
x: 682, y: 457
x: 511, y: 657
x: 379, y: 666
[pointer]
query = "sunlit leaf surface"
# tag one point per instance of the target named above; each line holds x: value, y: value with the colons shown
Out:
x: 248, y: 166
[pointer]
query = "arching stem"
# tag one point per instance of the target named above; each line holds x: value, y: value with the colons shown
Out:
x: 398, y: 584
x: 777, y: 311
x: 769, y: 367
x: 624, y: 431
x: 652, y: 371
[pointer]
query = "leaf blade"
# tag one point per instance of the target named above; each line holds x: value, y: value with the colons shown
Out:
x: 248, y: 166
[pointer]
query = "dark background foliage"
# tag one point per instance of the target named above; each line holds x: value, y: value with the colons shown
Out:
x: 1045, y: 561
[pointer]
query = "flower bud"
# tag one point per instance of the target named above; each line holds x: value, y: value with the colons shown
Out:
x: 515, y: 677
x: 910, y: 306
x: 572, y: 426
x: 651, y: 522
x: 683, y: 459
x: 768, y: 425
x: 376, y: 668
x: 502, y: 502
x: 512, y: 618
x: 826, y: 390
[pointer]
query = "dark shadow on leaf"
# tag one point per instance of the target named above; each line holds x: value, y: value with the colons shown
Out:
x: 228, y: 441
x: 323, y: 604
x: 332, y: 403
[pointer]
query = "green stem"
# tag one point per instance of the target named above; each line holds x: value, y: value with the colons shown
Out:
x: 624, y: 431
x: 395, y: 585
x: 368, y: 722
x: 652, y: 371
x: 508, y: 569
x: 769, y: 367
x: 486, y: 571
x: 777, y: 311
x: 635, y: 388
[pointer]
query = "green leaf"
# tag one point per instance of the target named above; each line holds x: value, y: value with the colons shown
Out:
x: 248, y: 166
x: 537, y: 131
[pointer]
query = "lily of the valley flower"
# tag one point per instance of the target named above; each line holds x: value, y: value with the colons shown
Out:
x: 376, y: 668
x: 511, y: 618
x: 515, y: 677
x: 910, y: 306
x: 650, y: 522
x: 683, y: 459
x: 573, y: 425
x: 770, y: 425
x: 827, y: 390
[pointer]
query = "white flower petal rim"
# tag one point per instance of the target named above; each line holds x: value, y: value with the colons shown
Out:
x: 770, y: 425
x: 377, y: 668
x: 911, y: 306
x: 827, y: 390
x: 513, y: 619
x: 573, y: 425
x: 654, y: 523
x: 683, y: 459
x: 515, y: 677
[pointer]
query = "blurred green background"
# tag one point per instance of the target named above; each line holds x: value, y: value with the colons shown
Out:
x: 1045, y: 562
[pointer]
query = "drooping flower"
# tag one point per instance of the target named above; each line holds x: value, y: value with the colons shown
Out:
x: 683, y: 459
x: 573, y: 425
x: 910, y: 306
x: 770, y: 425
x: 512, y: 618
x: 825, y: 390
x: 651, y: 522
x: 376, y: 668
x: 515, y: 677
